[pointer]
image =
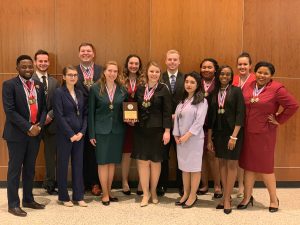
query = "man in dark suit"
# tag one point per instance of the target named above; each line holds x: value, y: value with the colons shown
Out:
x: 42, y: 63
x: 88, y: 73
x: 25, y: 110
x: 175, y: 81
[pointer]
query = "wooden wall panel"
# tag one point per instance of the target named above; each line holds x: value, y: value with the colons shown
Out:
x: 271, y: 32
x: 116, y: 28
x: 25, y: 27
x: 197, y: 29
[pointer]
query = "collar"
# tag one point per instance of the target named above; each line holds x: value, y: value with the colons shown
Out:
x: 39, y: 74
x: 170, y: 74
x: 24, y: 80
x: 89, y: 66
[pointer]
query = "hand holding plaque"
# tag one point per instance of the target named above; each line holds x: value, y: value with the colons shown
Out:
x: 130, y: 112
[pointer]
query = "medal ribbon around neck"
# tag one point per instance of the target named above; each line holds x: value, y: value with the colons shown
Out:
x: 148, y: 94
x: 87, y: 74
x: 186, y: 102
x: 30, y: 91
x: 132, y: 85
x: 242, y: 84
x: 257, y: 91
x: 206, y: 86
x: 221, y: 97
x: 111, y: 93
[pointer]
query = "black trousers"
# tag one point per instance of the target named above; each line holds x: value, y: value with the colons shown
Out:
x: 90, y: 167
x: 22, y: 156
x: 164, y: 175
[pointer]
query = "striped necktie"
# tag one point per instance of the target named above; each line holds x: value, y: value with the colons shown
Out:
x: 172, y: 83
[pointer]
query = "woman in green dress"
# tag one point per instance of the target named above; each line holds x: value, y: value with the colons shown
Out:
x: 106, y: 127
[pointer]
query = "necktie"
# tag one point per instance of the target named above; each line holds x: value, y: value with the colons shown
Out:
x: 173, y: 81
x: 32, y: 104
x: 45, y: 84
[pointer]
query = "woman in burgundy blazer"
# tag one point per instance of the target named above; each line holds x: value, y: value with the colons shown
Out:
x: 263, y: 98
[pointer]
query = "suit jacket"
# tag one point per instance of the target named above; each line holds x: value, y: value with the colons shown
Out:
x: 103, y: 120
x: 234, y: 108
x: 65, y: 112
x: 17, y: 111
x: 52, y: 85
x: 178, y: 90
x: 159, y: 114
x: 273, y: 96
x: 97, y: 74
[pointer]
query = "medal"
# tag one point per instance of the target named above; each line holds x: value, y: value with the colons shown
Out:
x: 78, y: 113
x: 256, y: 93
x: 31, y: 100
x: 147, y: 95
x: 88, y: 74
x: 184, y: 104
x: 206, y: 86
x: 111, y: 95
x: 221, y: 100
x: 132, y: 84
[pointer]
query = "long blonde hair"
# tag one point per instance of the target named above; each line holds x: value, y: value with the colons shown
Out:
x: 102, y: 80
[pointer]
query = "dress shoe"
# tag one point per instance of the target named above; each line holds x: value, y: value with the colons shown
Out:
x: 185, y: 206
x: 145, y: 201
x: 161, y: 191
x: 178, y: 203
x: 68, y: 204
x: 227, y: 211
x: 274, y: 209
x: 105, y: 203
x: 33, y: 205
x: 219, y: 206
x: 52, y: 192
x: 126, y: 192
x: 96, y: 190
x: 113, y: 199
x: 241, y: 206
x: 138, y: 192
x: 218, y: 195
x: 82, y: 203
x: 17, y: 211
x: 202, y: 192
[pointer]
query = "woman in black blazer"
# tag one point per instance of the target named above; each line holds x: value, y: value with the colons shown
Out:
x: 225, y: 135
x: 71, y: 116
x: 153, y: 130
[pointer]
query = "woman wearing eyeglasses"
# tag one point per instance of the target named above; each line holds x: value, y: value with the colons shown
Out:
x: 71, y: 116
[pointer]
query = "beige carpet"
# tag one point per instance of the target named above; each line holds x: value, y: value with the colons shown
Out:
x: 128, y: 211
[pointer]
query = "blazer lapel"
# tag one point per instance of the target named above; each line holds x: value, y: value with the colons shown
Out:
x: 22, y: 93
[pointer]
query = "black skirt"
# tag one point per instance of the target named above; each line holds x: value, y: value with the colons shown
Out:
x: 148, y: 144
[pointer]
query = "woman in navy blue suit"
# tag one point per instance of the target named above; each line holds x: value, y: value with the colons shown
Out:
x: 71, y: 113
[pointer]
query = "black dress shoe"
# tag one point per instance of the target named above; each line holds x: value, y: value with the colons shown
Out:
x: 33, y: 205
x: 17, y: 211
x: 106, y: 203
x: 218, y: 195
x: 161, y: 191
x: 185, y: 206
x: 227, y: 211
x: 274, y: 209
x: 113, y: 199
x: 138, y: 192
x: 52, y: 192
x: 178, y: 203
x: 241, y: 206
x: 126, y: 192
x: 219, y: 206
x: 201, y: 192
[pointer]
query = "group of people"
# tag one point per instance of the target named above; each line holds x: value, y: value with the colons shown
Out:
x: 213, y: 119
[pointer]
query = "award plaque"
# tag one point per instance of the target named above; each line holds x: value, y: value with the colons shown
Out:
x: 130, y: 111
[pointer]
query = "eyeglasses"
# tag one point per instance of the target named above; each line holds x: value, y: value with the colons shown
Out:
x: 72, y: 75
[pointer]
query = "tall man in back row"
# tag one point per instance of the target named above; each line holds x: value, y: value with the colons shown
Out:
x: 88, y: 74
x: 174, y: 79
x: 25, y: 110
